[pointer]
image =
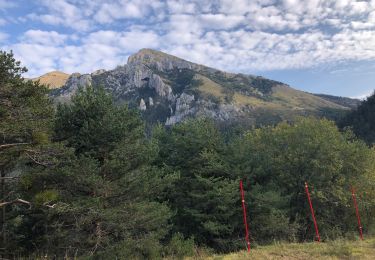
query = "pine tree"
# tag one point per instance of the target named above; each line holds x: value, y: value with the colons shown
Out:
x: 122, y: 205
x: 25, y: 121
x: 205, y: 196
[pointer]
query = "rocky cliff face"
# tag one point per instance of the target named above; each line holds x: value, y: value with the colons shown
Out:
x: 169, y: 89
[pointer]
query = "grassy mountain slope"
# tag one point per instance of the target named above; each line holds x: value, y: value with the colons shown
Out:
x: 54, y: 79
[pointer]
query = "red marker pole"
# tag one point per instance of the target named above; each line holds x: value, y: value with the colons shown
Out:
x: 312, y: 212
x: 357, y: 213
x: 244, y: 217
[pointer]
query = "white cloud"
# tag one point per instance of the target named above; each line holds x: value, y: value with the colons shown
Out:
x: 87, y: 15
x: 180, y: 7
x: 61, y: 12
x: 43, y: 51
x: 110, y: 12
x: 221, y: 21
x: 359, y: 7
x: 235, y: 35
x: 43, y: 37
x: 129, y: 41
x: 238, y: 7
x: 40, y: 58
x: 2, y: 22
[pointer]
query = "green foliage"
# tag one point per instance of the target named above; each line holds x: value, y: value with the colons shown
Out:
x: 145, y: 248
x: 181, y: 80
x: 125, y: 184
x: 157, y: 114
x: 247, y: 85
x: 46, y: 197
x: 332, y: 113
x: 282, y: 158
x: 40, y: 137
x: 93, y: 124
x: 178, y: 247
x: 99, y: 193
x: 26, y: 115
x: 205, y: 195
x: 24, y: 107
x: 362, y: 121
x: 100, y: 189
x: 10, y: 69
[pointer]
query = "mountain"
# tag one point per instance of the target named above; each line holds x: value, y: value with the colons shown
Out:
x: 54, y: 79
x: 169, y: 89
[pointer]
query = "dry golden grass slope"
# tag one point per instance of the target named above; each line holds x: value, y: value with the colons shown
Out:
x: 340, y: 249
x: 298, y: 100
x: 282, y: 97
x: 54, y: 79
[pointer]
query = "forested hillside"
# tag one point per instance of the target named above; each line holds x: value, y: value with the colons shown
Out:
x: 85, y: 179
x: 362, y: 120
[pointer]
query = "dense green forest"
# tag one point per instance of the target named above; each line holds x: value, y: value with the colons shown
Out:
x: 362, y: 120
x: 84, y: 178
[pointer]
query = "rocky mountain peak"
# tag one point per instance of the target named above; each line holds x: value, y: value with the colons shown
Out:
x: 161, y: 61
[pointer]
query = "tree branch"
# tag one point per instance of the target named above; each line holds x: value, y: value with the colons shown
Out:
x: 36, y: 161
x: 49, y: 206
x: 10, y: 145
x: 21, y: 201
x: 9, y: 178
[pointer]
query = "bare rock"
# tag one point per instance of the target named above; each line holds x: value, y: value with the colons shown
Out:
x: 142, y: 105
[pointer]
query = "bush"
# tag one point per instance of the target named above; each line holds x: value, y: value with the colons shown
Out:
x: 179, y: 247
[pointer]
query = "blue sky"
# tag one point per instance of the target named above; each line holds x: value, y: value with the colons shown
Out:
x: 317, y: 46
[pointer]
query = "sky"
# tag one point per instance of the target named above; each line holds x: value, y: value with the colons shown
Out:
x: 316, y: 46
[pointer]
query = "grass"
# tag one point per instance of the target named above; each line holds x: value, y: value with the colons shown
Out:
x: 54, y: 79
x: 284, y: 98
x: 298, y: 100
x: 340, y: 249
x: 210, y: 87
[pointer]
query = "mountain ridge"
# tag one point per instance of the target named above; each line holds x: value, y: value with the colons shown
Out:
x: 169, y: 89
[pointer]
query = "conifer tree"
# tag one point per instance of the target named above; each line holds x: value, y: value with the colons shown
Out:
x: 25, y: 121
x: 205, y: 196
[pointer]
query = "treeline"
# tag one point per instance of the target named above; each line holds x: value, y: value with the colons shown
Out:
x: 84, y: 179
x: 362, y: 120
